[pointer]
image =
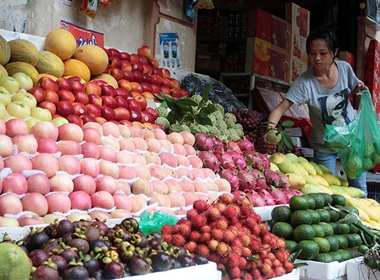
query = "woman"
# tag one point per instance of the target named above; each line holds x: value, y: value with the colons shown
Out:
x: 325, y: 87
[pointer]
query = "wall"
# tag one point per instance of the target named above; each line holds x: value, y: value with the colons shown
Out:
x: 126, y: 26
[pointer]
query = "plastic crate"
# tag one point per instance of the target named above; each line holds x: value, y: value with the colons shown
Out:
x: 373, y: 189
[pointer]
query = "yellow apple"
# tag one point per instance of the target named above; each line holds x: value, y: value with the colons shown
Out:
x: 9, y: 83
x: 31, y: 121
x: 18, y: 109
x: 5, y: 96
x: 59, y: 121
x: 23, y: 80
x: 25, y: 97
x: 8, y: 117
x: 41, y: 114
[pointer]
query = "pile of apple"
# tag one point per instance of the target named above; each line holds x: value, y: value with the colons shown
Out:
x: 97, y: 171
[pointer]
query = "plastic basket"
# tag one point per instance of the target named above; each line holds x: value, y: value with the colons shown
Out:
x: 373, y: 189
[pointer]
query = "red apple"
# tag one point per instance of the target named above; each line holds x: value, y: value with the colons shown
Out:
x: 152, y: 111
x: 48, y: 105
x: 127, y: 123
x: 52, y: 96
x: 146, y: 87
x: 25, y: 143
x: 165, y: 90
x: 116, y: 72
x: 65, y: 95
x: 38, y: 93
x: 15, y: 183
x: 120, y: 91
x: 156, y: 89
x: 126, y: 65
x: 18, y: 163
x: 29, y: 219
x: 102, y: 199
x: 147, y: 78
x: 147, y: 69
x: 79, y: 108
x: 113, y: 52
x: 153, y: 62
x: 122, y: 113
x: 145, y: 51
x: 157, y: 71
x: 69, y: 147
x: 143, y: 59
x: 84, y: 183
x: 128, y: 75
x: 99, y: 82
x: 136, y: 87
x: 76, y: 83
x: 134, y: 58
x: 47, y: 83
x: 121, y: 101
x: 123, y: 83
x: 108, y: 101
x: 90, y: 150
x: 178, y: 92
x: 69, y: 164
x: 108, y: 113
x: 64, y: 83
x: 175, y: 82
x: 80, y: 200
x: 95, y: 99
x: 135, y: 115
x: 92, y: 87
x: 157, y: 79
x: 35, y: 202
x: 65, y: 108
x: 134, y: 105
x: 75, y: 119
x: 138, y: 76
x: 87, y: 118
x: 165, y: 73
x: 114, y: 62
x: 141, y: 100
x: 147, y: 117
x: 93, y: 110
x: 166, y: 83
x: 147, y: 94
x: 124, y: 56
x: 81, y: 97
x: 138, y: 67
x: 108, y: 90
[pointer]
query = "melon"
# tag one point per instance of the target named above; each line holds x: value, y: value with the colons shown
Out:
x: 3, y: 71
x: 107, y: 78
x: 5, y: 51
x: 28, y: 69
x: 75, y: 67
x: 94, y: 57
x: 23, y: 51
x: 50, y: 63
x: 61, y: 42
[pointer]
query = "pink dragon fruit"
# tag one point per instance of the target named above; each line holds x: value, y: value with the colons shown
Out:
x: 256, y: 199
x: 284, y: 181
x: 279, y: 196
x: 238, y: 159
x: 231, y: 146
x: 269, y: 200
x: 254, y: 160
x: 209, y: 160
x: 261, y: 183
x: 245, y: 145
x: 204, y: 142
x: 227, y: 162
x: 231, y: 177
x: 247, y: 180
x: 272, y: 178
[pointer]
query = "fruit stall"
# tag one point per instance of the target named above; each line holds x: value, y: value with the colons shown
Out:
x: 113, y: 166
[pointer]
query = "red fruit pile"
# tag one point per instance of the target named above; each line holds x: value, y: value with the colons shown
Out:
x: 229, y: 233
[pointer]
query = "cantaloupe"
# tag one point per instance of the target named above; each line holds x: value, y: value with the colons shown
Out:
x: 94, y: 57
x: 75, y: 67
x: 5, y: 51
x: 23, y: 51
x: 50, y: 63
x: 28, y: 69
x: 61, y: 42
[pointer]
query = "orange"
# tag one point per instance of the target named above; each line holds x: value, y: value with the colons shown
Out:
x: 75, y: 67
x: 61, y: 42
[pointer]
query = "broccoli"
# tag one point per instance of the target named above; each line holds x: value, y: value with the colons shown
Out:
x: 196, y: 97
x: 163, y: 121
x: 230, y: 116
x: 175, y: 127
x: 162, y: 111
x: 219, y: 107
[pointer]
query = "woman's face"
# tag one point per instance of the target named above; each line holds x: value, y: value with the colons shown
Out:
x: 320, y: 55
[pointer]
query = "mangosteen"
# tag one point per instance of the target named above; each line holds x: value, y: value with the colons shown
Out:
x: 200, y: 259
x: 138, y: 266
x: 130, y: 224
x: 102, y: 226
x: 38, y: 256
x: 92, y: 233
x: 175, y: 264
x: 186, y: 261
x: 52, y: 245
x: 45, y: 272
x: 154, y: 235
x: 60, y: 262
x: 91, y: 264
x: 79, y: 243
x: 161, y: 261
x: 113, y: 270
x: 97, y: 244
x: 75, y: 273
x: 64, y: 226
x: 36, y: 240
x: 69, y: 254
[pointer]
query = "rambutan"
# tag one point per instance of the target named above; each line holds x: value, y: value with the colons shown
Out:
x: 184, y: 229
x: 203, y: 250
x: 228, y: 236
x: 250, y: 223
x: 175, y: 229
x: 199, y: 221
x: 267, y: 261
x: 245, y: 210
x: 246, y: 252
x: 255, y: 246
x: 256, y: 274
x: 166, y: 229
x: 236, y: 242
x: 266, y: 270
x: 245, y: 239
x: 279, y: 271
x: 286, y: 253
x: 234, y: 272
x: 231, y: 211
x: 214, y: 257
x: 237, y: 250
x: 269, y: 239
x: 242, y: 262
x: 213, y: 244
x: 191, y: 214
x: 276, y: 263
x: 194, y: 236
x: 182, y: 221
x: 205, y: 229
x: 256, y: 217
x: 223, y: 249
x: 200, y: 205
x: 213, y: 213
x: 226, y: 198
x: 217, y: 234
x: 204, y: 238
x: 247, y: 276
x: 167, y: 237
x: 190, y: 246
x: 271, y: 256
x: 281, y: 244
x: 288, y: 266
x: 233, y: 259
x: 222, y: 224
x: 263, y: 254
x: 220, y: 206
x: 178, y: 240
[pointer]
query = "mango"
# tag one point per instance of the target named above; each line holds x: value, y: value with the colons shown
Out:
x: 274, y: 167
x: 292, y: 157
x: 301, y: 168
x: 289, y: 167
x: 277, y: 158
x: 343, y: 181
x: 296, y: 181
x: 310, y: 180
x: 309, y: 188
x: 302, y: 159
x: 331, y: 179
x: 317, y: 168
x: 362, y: 214
x: 308, y: 167
x: 324, y: 169
x: 320, y: 180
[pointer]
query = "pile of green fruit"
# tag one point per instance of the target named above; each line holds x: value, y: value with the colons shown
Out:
x: 320, y: 227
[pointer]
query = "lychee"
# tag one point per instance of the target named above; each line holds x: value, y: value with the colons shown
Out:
x: 200, y: 205
x: 236, y: 249
x: 184, y: 229
x: 246, y: 252
x: 231, y: 211
x: 214, y: 257
x: 222, y: 224
x: 242, y: 262
x: 220, y: 206
x: 203, y: 250
x: 236, y: 242
x: 213, y: 213
x: 178, y: 240
x: 167, y: 237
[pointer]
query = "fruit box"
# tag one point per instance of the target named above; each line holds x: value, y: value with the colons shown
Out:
x: 357, y: 270
x: 323, y: 271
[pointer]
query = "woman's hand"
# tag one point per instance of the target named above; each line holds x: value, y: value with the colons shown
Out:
x: 358, y: 89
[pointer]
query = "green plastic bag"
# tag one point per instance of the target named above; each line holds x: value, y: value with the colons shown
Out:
x: 358, y: 143
x: 149, y: 223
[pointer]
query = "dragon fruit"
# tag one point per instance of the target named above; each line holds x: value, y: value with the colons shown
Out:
x: 204, y: 142
x: 247, y: 180
x: 256, y: 160
x: 231, y: 177
x: 245, y: 145
x: 260, y: 179
x: 232, y: 146
x: 227, y: 162
x: 269, y: 200
x: 279, y: 196
x: 272, y: 178
x: 256, y: 199
x: 209, y: 160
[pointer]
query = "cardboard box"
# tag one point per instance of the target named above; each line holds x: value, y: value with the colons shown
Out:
x: 259, y: 24
x: 299, y: 17
x: 294, y: 131
x: 279, y: 64
x: 258, y: 54
x: 297, y: 68
x: 306, y: 126
x: 267, y: 100
x: 281, y: 33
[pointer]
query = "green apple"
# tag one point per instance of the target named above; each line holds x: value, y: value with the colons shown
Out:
x: 41, y: 114
x: 59, y: 121
x: 26, y: 98
x: 8, y: 117
x: 9, y: 83
x: 31, y: 121
x: 18, y: 109
x: 23, y: 80
x: 5, y: 96
x: 3, y: 111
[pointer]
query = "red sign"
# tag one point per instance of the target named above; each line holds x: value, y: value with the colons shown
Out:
x: 84, y: 36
